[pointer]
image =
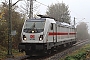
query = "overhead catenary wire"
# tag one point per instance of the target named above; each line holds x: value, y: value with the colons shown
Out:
x: 57, y: 1
x: 42, y: 3
x: 46, y: 5
x: 73, y: 11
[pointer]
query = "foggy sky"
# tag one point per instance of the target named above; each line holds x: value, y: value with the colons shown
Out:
x: 78, y: 8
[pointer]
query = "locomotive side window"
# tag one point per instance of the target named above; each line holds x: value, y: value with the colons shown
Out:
x: 51, y: 26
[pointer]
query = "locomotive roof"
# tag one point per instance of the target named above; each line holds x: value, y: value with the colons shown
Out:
x: 57, y: 22
x: 64, y: 24
x: 39, y: 19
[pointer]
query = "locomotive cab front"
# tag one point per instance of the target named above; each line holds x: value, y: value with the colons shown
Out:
x: 33, y: 36
x: 32, y: 31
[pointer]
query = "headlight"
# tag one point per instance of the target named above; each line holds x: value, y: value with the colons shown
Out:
x: 41, y: 37
x: 24, y: 37
x: 32, y: 31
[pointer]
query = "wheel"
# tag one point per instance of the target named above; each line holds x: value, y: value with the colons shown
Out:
x: 49, y: 51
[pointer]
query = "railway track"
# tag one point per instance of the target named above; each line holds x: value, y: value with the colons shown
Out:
x: 56, y: 55
x: 67, y: 51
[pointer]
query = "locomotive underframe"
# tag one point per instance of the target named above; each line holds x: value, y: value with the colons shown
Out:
x: 39, y: 48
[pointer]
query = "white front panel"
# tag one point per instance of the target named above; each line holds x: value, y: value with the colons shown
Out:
x: 32, y: 38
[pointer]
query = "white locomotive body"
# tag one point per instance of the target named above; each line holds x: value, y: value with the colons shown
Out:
x: 44, y: 34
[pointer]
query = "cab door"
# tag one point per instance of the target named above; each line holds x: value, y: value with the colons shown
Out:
x: 52, y: 33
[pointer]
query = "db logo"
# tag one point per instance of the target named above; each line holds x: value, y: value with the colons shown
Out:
x: 32, y: 36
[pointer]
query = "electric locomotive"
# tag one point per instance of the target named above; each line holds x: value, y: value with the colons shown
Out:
x: 43, y: 34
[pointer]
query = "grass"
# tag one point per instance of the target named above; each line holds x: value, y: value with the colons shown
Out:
x: 3, y: 53
x: 83, y: 49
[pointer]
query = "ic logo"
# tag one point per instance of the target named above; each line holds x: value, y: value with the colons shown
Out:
x: 32, y: 36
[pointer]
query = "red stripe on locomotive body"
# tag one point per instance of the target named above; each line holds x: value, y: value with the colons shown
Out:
x: 60, y: 33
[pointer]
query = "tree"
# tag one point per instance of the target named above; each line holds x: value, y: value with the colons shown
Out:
x: 82, y: 31
x: 3, y: 25
x: 59, y: 11
x: 17, y: 22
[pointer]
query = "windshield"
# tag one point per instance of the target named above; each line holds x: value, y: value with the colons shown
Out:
x: 34, y: 26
